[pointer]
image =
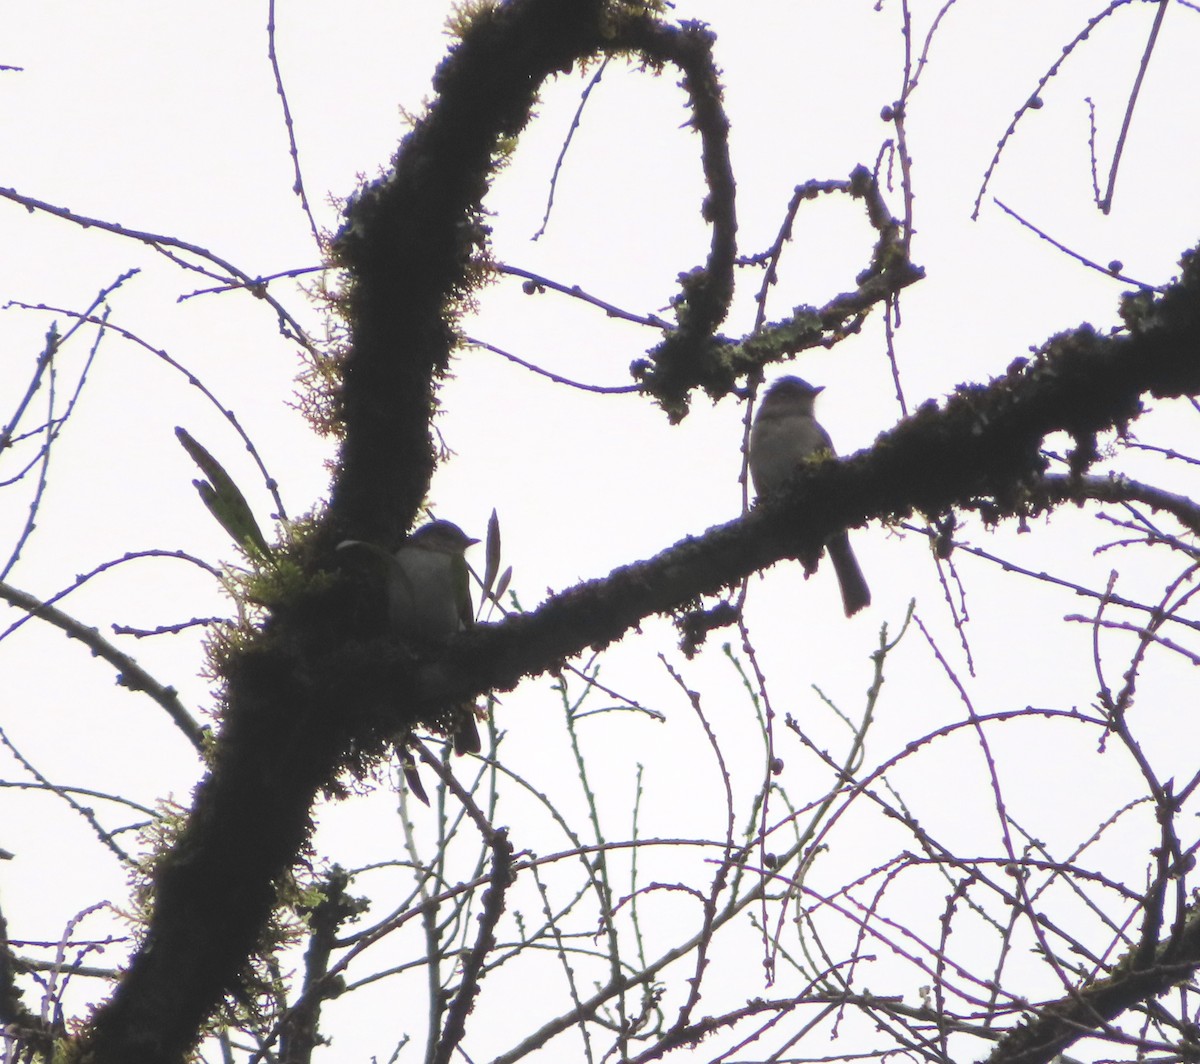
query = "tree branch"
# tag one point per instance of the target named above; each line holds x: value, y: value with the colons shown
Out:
x: 1059, y: 1024
x: 319, y: 690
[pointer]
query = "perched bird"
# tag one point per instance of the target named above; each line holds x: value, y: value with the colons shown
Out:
x: 429, y: 594
x: 429, y: 599
x: 784, y: 435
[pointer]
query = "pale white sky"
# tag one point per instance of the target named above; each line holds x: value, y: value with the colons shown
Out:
x: 165, y: 118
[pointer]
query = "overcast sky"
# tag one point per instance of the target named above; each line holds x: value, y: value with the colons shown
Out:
x: 165, y: 118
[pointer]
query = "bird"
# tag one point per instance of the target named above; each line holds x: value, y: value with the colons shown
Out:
x: 785, y: 434
x: 429, y: 599
x: 429, y: 595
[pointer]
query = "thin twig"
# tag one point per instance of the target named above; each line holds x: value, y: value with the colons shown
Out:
x: 1106, y: 202
x: 298, y: 184
x: 130, y: 674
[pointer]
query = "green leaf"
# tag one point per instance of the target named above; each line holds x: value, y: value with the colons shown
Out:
x: 224, y: 499
x: 505, y: 579
x: 492, y: 565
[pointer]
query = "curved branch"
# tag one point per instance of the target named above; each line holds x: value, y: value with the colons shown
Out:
x: 688, y: 356
x: 1059, y: 489
x: 129, y: 673
x: 170, y: 247
x: 319, y: 691
x: 407, y: 247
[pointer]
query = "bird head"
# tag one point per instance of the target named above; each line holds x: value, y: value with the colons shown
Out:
x: 445, y: 537
x: 792, y: 392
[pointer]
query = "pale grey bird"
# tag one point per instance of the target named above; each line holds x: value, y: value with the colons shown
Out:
x: 429, y: 597
x: 429, y: 594
x: 784, y: 435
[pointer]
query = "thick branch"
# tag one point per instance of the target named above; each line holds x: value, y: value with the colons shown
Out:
x: 308, y: 698
x: 409, y: 243
x: 315, y: 691
x: 981, y: 448
x: 1059, y: 1024
x: 297, y: 710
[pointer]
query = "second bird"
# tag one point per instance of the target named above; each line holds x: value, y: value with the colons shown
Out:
x: 429, y: 600
x: 785, y: 434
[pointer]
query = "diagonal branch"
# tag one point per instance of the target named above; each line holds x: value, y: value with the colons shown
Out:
x: 318, y: 691
x: 1059, y: 1024
x: 129, y: 673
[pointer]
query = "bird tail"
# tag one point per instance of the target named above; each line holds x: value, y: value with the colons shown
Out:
x: 466, y: 731
x: 855, y: 593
